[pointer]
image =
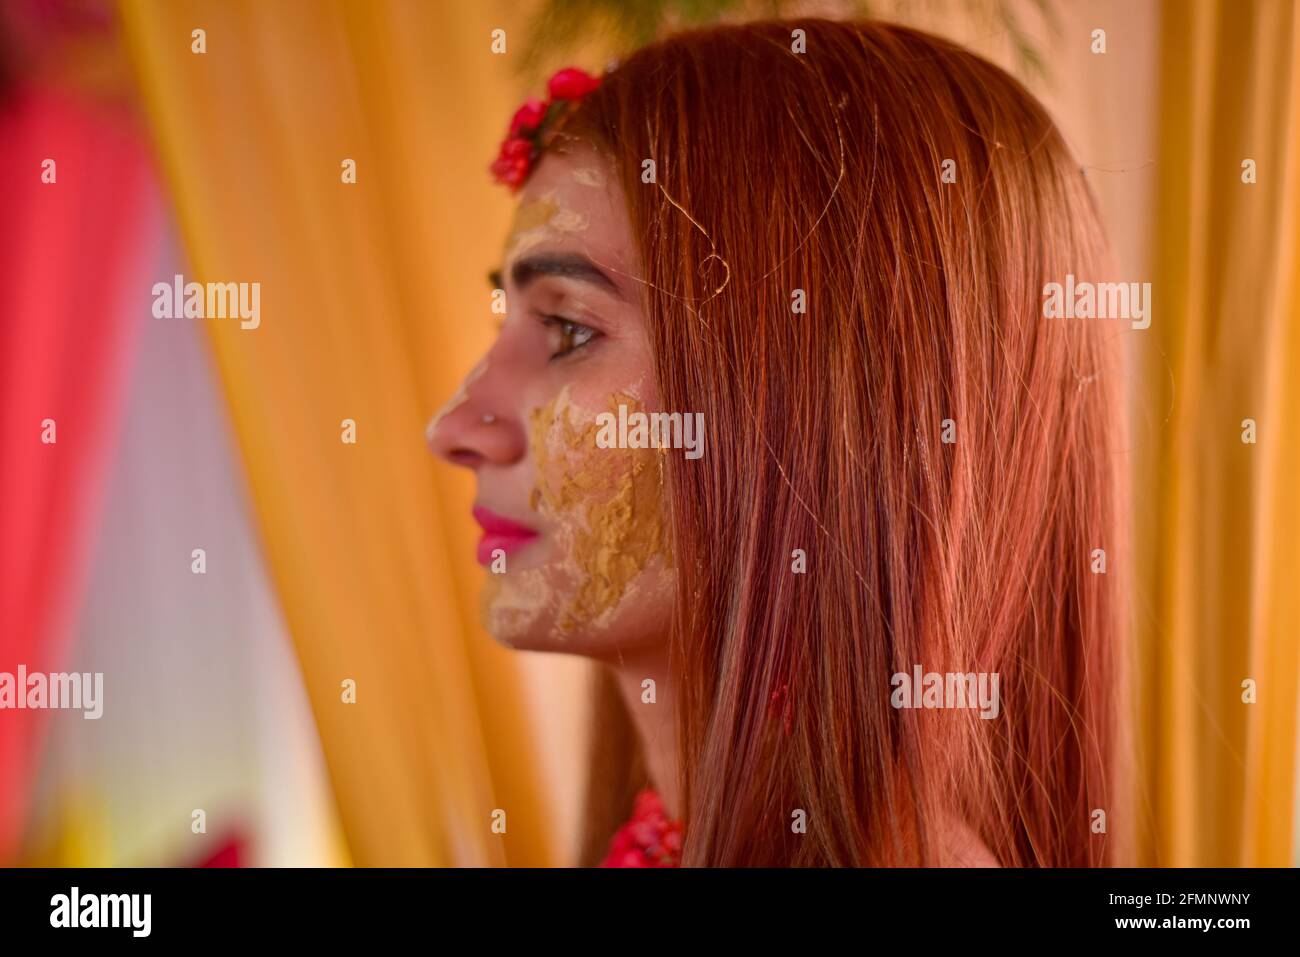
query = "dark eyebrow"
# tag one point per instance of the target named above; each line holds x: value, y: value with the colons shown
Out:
x: 563, y: 265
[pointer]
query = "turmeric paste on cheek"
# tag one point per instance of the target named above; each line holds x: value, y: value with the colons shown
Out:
x: 606, y: 504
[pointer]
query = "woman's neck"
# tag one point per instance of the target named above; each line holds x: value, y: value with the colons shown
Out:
x: 653, y: 717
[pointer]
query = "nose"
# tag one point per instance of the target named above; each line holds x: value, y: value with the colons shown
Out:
x: 480, y: 425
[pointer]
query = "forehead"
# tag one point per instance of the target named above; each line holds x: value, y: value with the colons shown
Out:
x: 571, y: 202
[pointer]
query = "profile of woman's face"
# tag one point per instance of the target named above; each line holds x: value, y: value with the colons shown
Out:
x: 575, y: 536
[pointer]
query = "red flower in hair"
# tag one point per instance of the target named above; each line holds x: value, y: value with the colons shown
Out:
x: 534, y: 120
x: 571, y: 84
x: 780, y: 705
x: 513, y: 164
x: 527, y: 118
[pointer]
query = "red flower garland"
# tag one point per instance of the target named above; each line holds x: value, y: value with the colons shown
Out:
x: 649, y: 839
x: 534, y: 120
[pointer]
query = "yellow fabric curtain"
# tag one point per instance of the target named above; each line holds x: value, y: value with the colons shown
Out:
x: 1219, y: 529
x: 373, y: 305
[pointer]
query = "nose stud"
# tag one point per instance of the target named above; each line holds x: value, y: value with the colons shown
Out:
x: 489, y: 419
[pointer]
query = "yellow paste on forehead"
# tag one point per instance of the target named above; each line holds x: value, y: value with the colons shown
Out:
x: 535, y: 217
x: 589, y: 176
x: 529, y: 220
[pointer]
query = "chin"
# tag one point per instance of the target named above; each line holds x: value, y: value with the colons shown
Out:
x: 525, y: 611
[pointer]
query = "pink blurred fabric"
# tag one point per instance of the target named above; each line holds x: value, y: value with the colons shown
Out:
x: 73, y: 290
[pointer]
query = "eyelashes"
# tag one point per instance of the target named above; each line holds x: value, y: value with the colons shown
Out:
x: 573, y: 335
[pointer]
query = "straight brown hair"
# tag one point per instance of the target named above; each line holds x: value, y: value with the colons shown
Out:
x: 940, y: 454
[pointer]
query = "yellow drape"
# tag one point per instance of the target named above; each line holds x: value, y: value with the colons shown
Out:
x: 373, y: 305
x: 1219, y: 527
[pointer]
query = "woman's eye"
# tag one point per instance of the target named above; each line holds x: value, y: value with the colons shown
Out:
x: 573, y: 335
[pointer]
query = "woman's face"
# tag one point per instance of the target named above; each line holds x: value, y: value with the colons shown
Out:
x: 575, y: 537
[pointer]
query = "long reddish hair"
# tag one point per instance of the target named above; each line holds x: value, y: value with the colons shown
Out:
x: 819, y: 177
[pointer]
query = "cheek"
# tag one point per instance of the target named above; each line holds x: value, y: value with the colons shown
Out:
x: 605, y: 505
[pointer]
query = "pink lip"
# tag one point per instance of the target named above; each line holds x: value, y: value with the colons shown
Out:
x: 499, y: 532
